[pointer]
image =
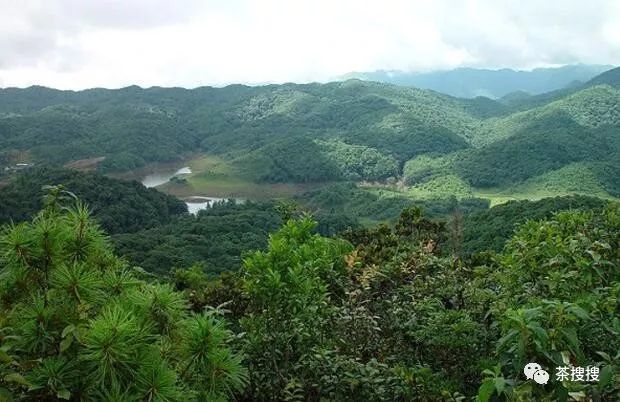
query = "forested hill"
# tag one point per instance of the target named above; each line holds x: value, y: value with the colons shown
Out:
x: 120, y: 206
x: 350, y: 130
x: 131, y: 126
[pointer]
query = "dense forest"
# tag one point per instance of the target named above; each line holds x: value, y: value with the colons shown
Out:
x: 384, y: 314
x: 341, y: 131
x: 153, y: 230
x: 215, y: 239
x: 119, y: 206
x: 406, y: 245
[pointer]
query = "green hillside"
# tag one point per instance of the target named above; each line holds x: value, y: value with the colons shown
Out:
x: 610, y: 77
x: 133, y: 126
x: 518, y: 102
x: 119, y: 206
x: 310, y: 134
x: 582, y: 127
x: 490, y: 229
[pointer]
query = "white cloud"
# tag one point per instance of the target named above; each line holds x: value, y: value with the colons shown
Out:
x: 79, y: 44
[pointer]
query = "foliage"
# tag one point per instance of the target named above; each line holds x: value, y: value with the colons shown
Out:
x: 488, y: 230
x: 350, y: 130
x: 78, y: 324
x: 217, y: 237
x: 358, y: 162
x: 519, y: 156
x: 390, y: 313
x: 399, y: 318
x: 288, y: 287
x: 273, y: 163
x: 119, y: 206
x: 353, y: 202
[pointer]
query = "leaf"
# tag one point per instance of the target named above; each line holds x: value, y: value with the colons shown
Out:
x: 604, y: 356
x: 66, y: 343
x: 540, y: 332
x: 605, y: 376
x: 500, y: 384
x: 64, y: 394
x: 595, y: 256
x: 571, y: 337
x: 565, y: 357
x: 577, y: 395
x: 68, y: 329
x: 485, y: 391
x: 16, y: 378
x: 5, y: 357
x: 579, y: 312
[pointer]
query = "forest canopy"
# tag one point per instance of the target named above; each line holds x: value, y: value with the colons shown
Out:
x: 388, y: 313
x: 341, y: 131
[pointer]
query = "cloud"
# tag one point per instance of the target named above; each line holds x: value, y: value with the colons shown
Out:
x: 78, y: 44
x: 34, y: 32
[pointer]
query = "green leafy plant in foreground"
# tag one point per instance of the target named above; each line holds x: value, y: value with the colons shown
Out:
x: 78, y: 324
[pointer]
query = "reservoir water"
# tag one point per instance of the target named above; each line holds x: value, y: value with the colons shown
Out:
x: 161, y: 177
x: 194, y: 203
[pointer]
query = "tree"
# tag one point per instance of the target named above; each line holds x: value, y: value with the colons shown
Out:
x: 78, y: 324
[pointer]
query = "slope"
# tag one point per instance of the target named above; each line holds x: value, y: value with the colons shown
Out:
x: 119, y: 206
x: 132, y: 126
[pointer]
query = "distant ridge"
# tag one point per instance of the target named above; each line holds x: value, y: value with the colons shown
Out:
x: 471, y: 82
x: 610, y: 77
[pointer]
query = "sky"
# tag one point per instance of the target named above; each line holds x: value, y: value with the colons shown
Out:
x: 76, y: 44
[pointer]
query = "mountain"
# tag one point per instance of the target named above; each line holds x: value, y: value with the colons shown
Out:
x: 131, y: 127
x: 271, y: 136
x: 471, y: 82
x: 412, y: 309
x: 517, y: 101
x: 610, y: 77
x: 566, y: 146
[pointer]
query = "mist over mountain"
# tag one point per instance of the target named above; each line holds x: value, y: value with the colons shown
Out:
x: 472, y: 82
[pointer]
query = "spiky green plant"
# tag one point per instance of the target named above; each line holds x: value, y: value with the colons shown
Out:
x: 78, y: 324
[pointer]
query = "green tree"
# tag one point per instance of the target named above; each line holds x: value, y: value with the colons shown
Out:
x: 78, y: 324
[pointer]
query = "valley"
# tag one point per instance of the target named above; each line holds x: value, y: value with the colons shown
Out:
x: 283, y: 141
x: 412, y: 245
x: 309, y: 201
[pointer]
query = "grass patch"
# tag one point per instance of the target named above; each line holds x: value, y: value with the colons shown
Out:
x: 213, y: 176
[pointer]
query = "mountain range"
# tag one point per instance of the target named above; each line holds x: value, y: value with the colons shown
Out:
x: 471, y: 82
x: 434, y: 144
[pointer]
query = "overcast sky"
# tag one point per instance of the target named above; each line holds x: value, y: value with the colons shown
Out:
x: 77, y: 44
